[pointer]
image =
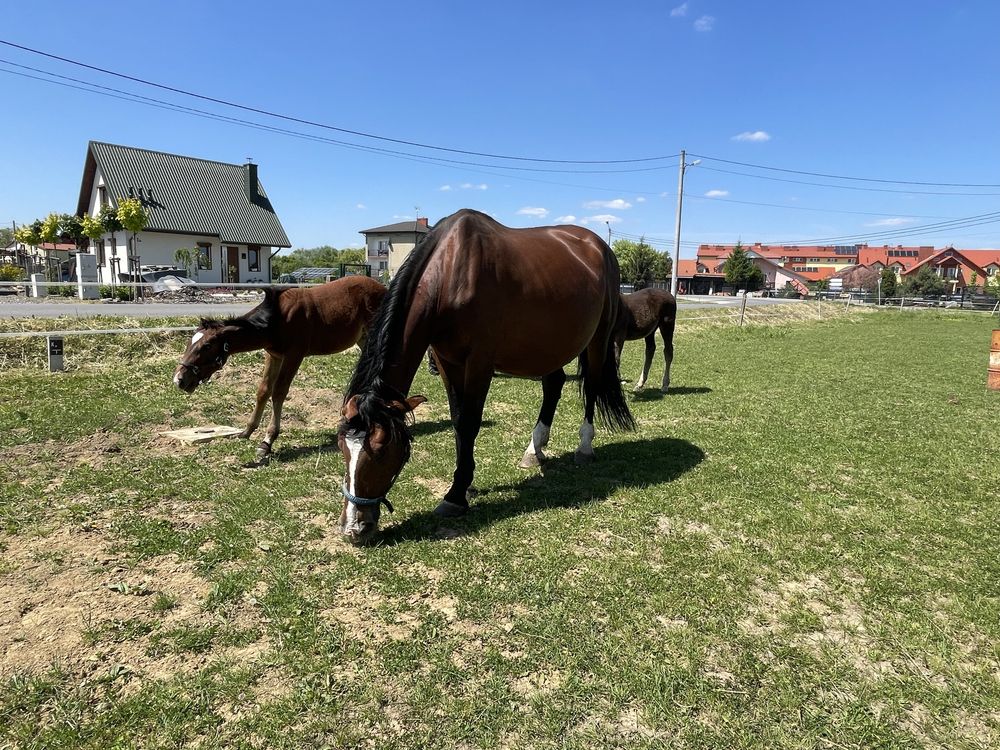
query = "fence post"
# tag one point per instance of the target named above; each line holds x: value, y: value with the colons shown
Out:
x: 55, y: 345
x: 848, y: 301
x: 743, y: 309
x: 901, y: 301
x: 819, y: 306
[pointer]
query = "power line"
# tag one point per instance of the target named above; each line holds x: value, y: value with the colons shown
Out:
x: 843, y: 177
x: 838, y: 187
x: 969, y: 221
x: 114, y: 93
x: 326, y: 126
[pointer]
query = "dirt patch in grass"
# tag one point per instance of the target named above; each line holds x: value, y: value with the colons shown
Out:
x: 94, y: 450
x: 315, y: 408
x: 71, y: 602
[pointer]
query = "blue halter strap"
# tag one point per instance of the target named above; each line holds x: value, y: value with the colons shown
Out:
x: 365, y: 502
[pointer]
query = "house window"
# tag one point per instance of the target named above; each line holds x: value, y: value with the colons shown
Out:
x: 382, y: 247
x: 991, y: 271
x: 951, y: 272
x: 100, y: 246
x: 204, y: 256
x: 102, y: 195
x: 253, y: 258
x: 383, y: 265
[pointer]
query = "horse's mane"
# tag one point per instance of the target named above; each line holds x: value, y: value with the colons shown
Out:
x: 385, y: 334
x: 260, y: 318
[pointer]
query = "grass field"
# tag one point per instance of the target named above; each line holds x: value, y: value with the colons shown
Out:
x: 798, y: 549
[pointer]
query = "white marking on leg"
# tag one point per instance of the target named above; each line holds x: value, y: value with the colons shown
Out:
x: 177, y: 378
x: 586, y: 439
x: 197, y: 337
x: 539, y: 439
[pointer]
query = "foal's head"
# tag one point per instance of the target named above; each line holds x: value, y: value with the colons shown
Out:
x: 375, y: 443
x: 204, y: 356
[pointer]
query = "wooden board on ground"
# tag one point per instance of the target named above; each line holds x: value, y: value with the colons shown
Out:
x: 202, y: 434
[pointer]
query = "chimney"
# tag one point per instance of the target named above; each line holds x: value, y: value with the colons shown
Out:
x: 422, y: 221
x: 250, y: 170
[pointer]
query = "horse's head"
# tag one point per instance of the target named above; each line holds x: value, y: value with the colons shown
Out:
x: 204, y: 356
x: 375, y: 443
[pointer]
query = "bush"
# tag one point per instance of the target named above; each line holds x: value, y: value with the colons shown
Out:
x: 10, y: 272
x: 121, y: 293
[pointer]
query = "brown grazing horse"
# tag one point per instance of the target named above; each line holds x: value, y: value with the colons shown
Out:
x: 483, y: 296
x: 644, y: 312
x: 288, y: 325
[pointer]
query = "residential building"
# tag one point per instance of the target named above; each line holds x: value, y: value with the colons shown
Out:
x: 960, y: 268
x: 389, y: 245
x: 219, y: 211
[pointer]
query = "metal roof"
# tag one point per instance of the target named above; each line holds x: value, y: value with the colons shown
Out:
x: 403, y: 226
x: 186, y: 195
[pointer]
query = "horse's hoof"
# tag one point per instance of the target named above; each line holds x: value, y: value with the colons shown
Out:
x: 450, y: 510
x: 245, y: 435
x: 638, y: 388
x: 582, y: 459
x: 529, y: 461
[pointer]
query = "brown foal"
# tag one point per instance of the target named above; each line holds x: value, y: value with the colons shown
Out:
x: 289, y: 325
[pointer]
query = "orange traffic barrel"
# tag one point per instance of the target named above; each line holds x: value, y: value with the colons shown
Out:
x: 993, y: 376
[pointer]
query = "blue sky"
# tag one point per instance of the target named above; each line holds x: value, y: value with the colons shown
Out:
x: 886, y: 90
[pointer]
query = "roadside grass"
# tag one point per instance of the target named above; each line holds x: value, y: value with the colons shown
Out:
x: 797, y: 549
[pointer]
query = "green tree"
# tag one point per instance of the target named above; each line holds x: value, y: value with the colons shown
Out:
x: 6, y: 236
x: 637, y: 262
x: 741, y: 272
x: 134, y: 219
x: 889, y: 283
x: 663, y: 267
x: 925, y: 282
x: 186, y: 257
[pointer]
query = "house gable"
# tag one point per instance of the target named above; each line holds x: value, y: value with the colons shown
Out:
x: 185, y: 195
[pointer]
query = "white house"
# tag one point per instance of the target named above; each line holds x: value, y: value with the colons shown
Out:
x: 219, y: 211
x: 389, y: 245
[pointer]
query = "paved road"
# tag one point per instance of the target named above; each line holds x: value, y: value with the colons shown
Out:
x: 19, y: 307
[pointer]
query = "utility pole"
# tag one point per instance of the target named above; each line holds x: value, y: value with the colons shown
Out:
x: 677, y: 230
x: 677, y: 233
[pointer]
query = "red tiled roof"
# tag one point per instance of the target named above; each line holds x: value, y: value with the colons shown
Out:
x: 949, y: 253
x: 822, y: 273
x: 687, y: 267
x: 779, y: 251
x: 983, y: 258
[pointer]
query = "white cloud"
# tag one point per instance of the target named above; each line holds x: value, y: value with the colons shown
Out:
x: 602, y: 218
x: 754, y: 136
x: 361, y: 205
x: 705, y: 23
x: 680, y: 11
x: 538, y: 213
x: 618, y: 204
x: 896, y: 221
x: 402, y: 217
x: 470, y: 186
x: 641, y: 199
x: 716, y: 193
x: 567, y: 219
x: 444, y: 188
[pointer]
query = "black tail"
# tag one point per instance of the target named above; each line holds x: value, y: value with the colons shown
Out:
x: 611, y: 403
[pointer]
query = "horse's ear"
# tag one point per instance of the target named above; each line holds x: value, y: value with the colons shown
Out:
x: 205, y: 323
x: 409, y: 404
x: 350, y: 409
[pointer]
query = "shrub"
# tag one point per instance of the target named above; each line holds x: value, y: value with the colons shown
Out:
x: 10, y: 272
x: 120, y: 293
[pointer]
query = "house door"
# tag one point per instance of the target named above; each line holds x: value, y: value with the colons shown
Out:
x: 233, y: 265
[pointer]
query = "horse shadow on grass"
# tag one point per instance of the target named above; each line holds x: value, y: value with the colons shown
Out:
x: 655, y: 394
x: 561, y: 484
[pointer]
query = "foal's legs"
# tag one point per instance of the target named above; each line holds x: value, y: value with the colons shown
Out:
x: 552, y: 385
x: 272, y: 365
x: 467, y: 418
x: 289, y: 367
x: 667, y: 332
x: 648, y: 361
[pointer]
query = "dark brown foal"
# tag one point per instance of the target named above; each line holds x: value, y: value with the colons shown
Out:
x: 643, y: 313
x: 289, y: 325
